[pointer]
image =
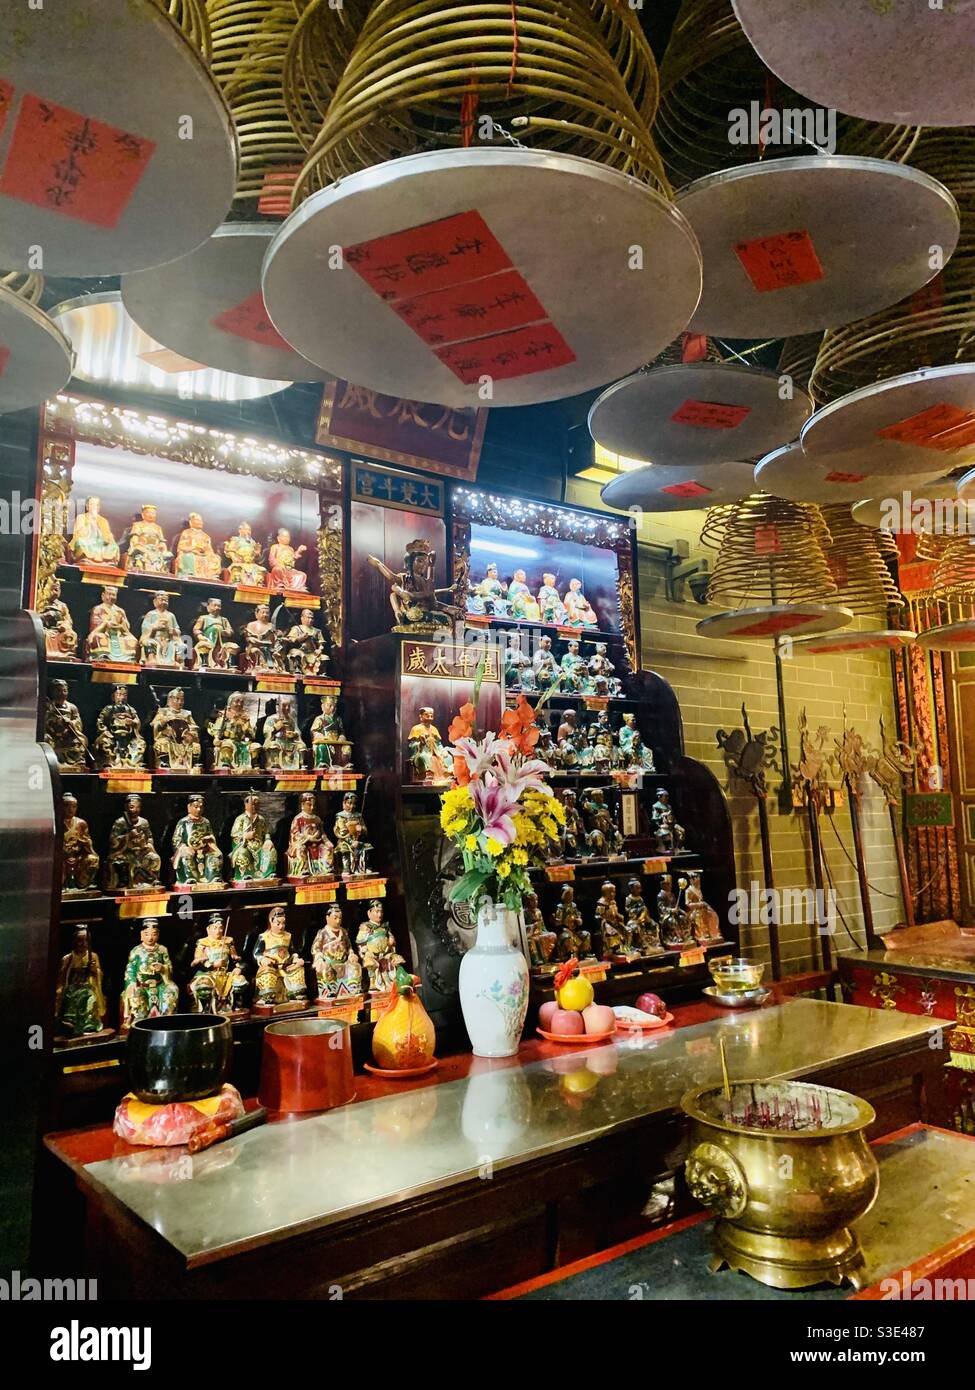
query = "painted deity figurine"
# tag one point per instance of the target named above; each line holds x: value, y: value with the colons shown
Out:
x: 197, y: 859
x: 311, y: 854
x: 175, y: 736
x: 109, y: 635
x: 303, y: 646
x: 574, y: 940
x: 544, y: 666
x: 282, y: 558
x: 377, y: 949
x: 195, y: 555
x: 429, y: 759
x: 641, y: 929
x: 146, y: 551
x: 488, y: 595
x: 79, y: 862
x: 235, y: 745
x: 413, y: 595
x: 160, y: 640
x: 541, y: 941
x: 149, y: 990
x: 600, y: 667
x: 550, y: 601
x: 578, y: 610
x: 92, y: 542
x: 521, y: 601
x: 610, y: 927
x: 704, y: 921
x: 601, y: 823
x: 63, y: 729
x: 60, y: 638
x: 574, y: 830
x: 260, y: 643
x: 573, y: 670
x: 79, y: 1002
x: 133, y: 864
x: 253, y: 858
x: 118, y: 738
x: 218, y: 984
x: 675, y: 929
x: 338, y: 970
x: 518, y: 672
x: 633, y: 752
x: 243, y: 556
x: 284, y: 748
x: 350, y: 837
x: 670, y: 835
x: 280, y: 980
x: 329, y: 745
x: 213, y: 639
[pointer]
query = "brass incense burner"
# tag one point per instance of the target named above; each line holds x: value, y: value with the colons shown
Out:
x: 786, y: 1169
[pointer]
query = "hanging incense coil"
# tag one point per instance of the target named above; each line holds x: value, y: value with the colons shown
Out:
x: 25, y: 286
x: 936, y: 325
x: 799, y: 357
x: 320, y: 48
x: 769, y: 551
x: 857, y: 559
x: 190, y: 17
x: 710, y: 69
x: 250, y: 41
x: 560, y: 75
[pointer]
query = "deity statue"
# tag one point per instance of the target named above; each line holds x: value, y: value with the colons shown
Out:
x: 518, y: 672
x: 578, y: 611
x: 79, y: 1002
x: 243, y: 555
x: 600, y: 667
x: 429, y: 759
x: 253, y: 858
x: 545, y: 749
x: 574, y: 940
x: 109, y: 635
x: 634, y: 754
x: 610, y: 927
x: 544, y: 667
x: 79, y: 862
x: 282, y: 558
x: 218, y: 984
x: 675, y: 929
x: 175, y: 736
x: 133, y: 864
x: 147, y: 551
x: 337, y: 968
x: 92, y: 542
x: 60, y: 638
x: 488, y: 595
x: 311, y: 854
x: 601, y: 823
x: 521, y: 600
x: 63, y: 729
x: 574, y: 830
x: 573, y: 670
x: 160, y: 640
x: 303, y: 646
x: 118, y: 738
x: 541, y: 941
x: 197, y: 860
x: 213, y: 639
x: 413, y: 596
x: 195, y: 555
x: 350, y: 837
x: 149, y: 990
x: 641, y: 929
x: 550, y: 601
x: 235, y: 746
x: 280, y: 980
x: 670, y: 835
x: 284, y: 748
x: 377, y: 949
x: 603, y: 749
x: 329, y: 745
x: 705, y: 924
x: 261, y: 642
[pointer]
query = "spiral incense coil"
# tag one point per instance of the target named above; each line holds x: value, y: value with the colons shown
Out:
x: 190, y: 17
x: 556, y: 74
x: 710, y: 69
x: 318, y: 52
x: 25, y: 286
x: 856, y: 558
x: 769, y: 551
x: 799, y: 357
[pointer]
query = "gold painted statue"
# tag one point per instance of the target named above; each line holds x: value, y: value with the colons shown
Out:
x: 133, y: 864
x: 377, y: 949
x: 261, y: 644
x: 284, y: 748
x: 195, y: 555
x: 63, y: 729
x: 235, y: 745
x: 243, y: 555
x: 118, y: 738
x: 147, y: 551
x: 350, y: 837
x: 280, y: 980
x: 92, y: 542
x: 413, y: 596
x: 218, y: 984
x: 109, y: 635
x: 160, y: 640
x: 175, y: 736
x: 213, y: 642
x: 338, y: 971
x: 303, y: 646
x: 60, y: 638
x: 79, y: 862
x: 282, y: 559
x: 429, y: 759
x: 79, y: 1002
x: 253, y: 858
x: 329, y: 745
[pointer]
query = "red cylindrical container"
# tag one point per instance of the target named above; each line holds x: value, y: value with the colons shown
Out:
x: 306, y: 1064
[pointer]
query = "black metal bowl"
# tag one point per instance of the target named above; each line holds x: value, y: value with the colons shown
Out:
x: 182, y: 1057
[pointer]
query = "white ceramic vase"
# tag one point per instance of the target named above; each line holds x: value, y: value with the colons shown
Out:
x: 494, y: 984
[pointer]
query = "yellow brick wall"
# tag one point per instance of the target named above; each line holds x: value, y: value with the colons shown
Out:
x: 711, y: 679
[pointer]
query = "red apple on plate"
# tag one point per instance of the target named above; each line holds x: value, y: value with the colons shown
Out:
x: 545, y: 1015
x: 566, y: 1023
x: 599, y: 1018
x: 651, y: 1004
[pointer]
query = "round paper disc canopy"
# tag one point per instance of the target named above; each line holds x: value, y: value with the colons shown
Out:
x: 35, y: 357
x: 658, y: 488
x: 911, y: 506
x: 118, y: 150
x: 965, y: 486
x: 953, y: 637
x: 800, y: 244
x: 208, y: 306
x: 906, y: 62
x: 919, y: 422
x: 427, y: 276
x: 775, y: 620
x: 890, y: 639
x: 697, y: 413
x: 792, y: 474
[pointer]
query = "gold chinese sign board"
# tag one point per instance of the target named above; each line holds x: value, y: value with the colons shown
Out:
x: 451, y: 661
x: 415, y: 434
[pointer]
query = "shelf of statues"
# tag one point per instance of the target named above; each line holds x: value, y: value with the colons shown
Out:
x: 492, y: 599
x: 572, y: 675
x: 596, y: 747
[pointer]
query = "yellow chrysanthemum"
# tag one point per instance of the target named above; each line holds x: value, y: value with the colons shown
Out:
x: 471, y: 843
x: 495, y: 848
x: 504, y: 870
